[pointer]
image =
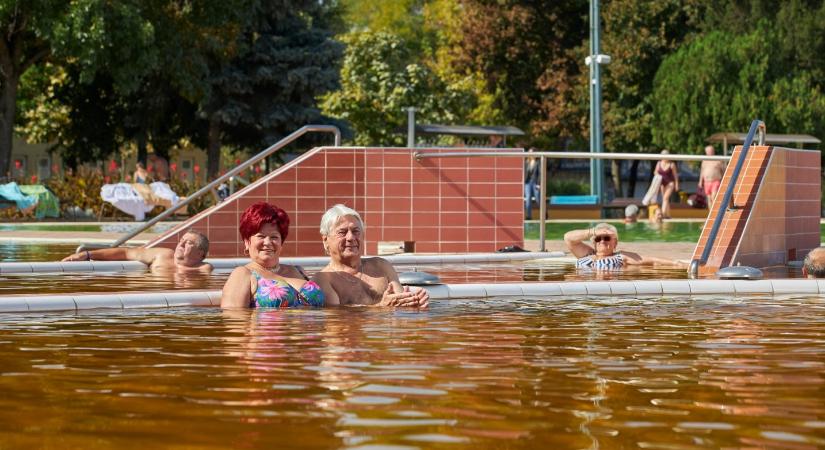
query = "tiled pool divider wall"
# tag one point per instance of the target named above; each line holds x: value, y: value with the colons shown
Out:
x: 445, y: 292
x: 444, y: 205
x: 231, y: 263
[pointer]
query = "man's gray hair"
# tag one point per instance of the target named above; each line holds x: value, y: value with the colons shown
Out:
x: 203, y: 241
x: 334, y: 214
x: 814, y: 263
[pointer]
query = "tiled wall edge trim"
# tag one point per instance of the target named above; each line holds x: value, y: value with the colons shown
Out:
x: 573, y: 290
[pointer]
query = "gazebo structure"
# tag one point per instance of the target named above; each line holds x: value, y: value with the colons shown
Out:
x: 469, y: 131
x: 799, y: 140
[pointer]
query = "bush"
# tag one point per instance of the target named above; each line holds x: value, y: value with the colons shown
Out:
x: 567, y: 187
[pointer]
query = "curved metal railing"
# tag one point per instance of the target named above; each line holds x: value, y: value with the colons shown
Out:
x: 227, y: 176
x: 757, y: 126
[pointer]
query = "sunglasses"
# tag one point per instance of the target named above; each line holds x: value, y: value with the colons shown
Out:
x: 606, y: 238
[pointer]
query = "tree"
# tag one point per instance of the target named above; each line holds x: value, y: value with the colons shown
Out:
x: 28, y: 26
x: 522, y: 48
x: 721, y: 82
x: 379, y: 78
x: 270, y: 88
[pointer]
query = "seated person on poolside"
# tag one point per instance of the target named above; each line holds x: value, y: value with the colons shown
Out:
x: 814, y: 264
x: 187, y: 256
x: 349, y: 279
x: 605, y: 239
x: 259, y: 283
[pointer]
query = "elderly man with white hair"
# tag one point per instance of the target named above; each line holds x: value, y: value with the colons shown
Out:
x: 350, y: 279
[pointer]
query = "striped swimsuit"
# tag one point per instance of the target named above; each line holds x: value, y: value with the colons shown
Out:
x: 616, y: 261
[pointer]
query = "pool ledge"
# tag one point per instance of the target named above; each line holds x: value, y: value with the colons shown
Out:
x: 231, y: 263
x: 445, y: 292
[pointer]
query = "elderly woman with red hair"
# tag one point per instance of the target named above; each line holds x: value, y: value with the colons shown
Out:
x: 262, y: 282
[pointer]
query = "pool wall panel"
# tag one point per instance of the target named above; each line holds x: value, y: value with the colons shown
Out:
x: 443, y: 205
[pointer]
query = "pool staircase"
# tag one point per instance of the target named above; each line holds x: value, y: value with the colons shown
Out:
x: 767, y: 210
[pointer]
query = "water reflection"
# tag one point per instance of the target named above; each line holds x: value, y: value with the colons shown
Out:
x: 575, y: 372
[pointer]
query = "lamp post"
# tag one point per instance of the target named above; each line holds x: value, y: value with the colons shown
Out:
x: 595, y: 60
x: 410, y: 126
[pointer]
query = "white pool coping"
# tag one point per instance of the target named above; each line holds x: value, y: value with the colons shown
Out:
x: 231, y: 263
x: 440, y: 293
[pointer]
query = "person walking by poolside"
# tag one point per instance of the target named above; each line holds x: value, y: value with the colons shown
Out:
x: 187, y: 257
x: 350, y: 279
x: 531, y: 184
x: 260, y: 283
x: 603, y: 255
x: 710, y: 175
x: 669, y: 174
x: 813, y: 266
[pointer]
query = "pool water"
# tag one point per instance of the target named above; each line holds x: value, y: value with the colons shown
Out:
x: 529, y: 373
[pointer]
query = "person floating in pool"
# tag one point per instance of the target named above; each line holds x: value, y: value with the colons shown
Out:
x: 264, y: 282
x: 603, y: 255
x: 814, y: 264
x: 349, y: 279
x: 187, y: 256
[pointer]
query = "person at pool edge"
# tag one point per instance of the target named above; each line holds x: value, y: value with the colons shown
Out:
x: 187, y: 256
x: 814, y: 264
x: 603, y: 254
x: 349, y: 279
x: 264, y: 228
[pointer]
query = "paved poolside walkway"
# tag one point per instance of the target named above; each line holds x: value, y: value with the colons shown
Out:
x: 669, y: 250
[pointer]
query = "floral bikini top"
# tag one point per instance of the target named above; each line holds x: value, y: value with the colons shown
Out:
x: 280, y: 294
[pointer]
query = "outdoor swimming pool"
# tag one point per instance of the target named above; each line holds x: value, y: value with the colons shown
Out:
x: 577, y: 372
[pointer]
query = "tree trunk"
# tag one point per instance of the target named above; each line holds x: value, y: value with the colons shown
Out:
x: 213, y: 148
x: 634, y: 175
x: 615, y: 168
x: 8, y: 109
x: 141, y: 148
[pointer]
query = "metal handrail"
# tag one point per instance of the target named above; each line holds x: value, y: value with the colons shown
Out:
x: 560, y: 155
x: 243, y: 166
x: 757, y: 126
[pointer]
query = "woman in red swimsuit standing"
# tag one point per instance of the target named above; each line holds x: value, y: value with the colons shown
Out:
x: 670, y: 182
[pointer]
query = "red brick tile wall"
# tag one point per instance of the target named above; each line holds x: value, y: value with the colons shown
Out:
x: 778, y: 209
x: 442, y: 204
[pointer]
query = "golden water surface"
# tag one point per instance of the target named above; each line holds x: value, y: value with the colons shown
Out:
x: 580, y: 373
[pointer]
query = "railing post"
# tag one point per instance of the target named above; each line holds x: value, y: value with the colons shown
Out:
x: 542, y: 202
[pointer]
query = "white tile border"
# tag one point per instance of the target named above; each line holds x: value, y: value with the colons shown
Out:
x: 163, y: 299
x: 13, y: 304
x: 648, y: 287
x: 52, y: 303
x: 541, y: 289
x: 144, y: 300
x: 796, y: 286
x: 309, y: 261
x: 622, y: 288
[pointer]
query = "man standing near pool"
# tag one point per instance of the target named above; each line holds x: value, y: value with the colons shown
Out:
x: 187, y: 257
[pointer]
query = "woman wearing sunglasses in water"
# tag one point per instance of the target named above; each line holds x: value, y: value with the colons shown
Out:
x: 603, y: 254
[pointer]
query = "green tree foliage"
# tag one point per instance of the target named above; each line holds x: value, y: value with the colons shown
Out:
x: 270, y: 88
x: 27, y: 28
x: 721, y: 81
x: 522, y: 48
x: 379, y: 78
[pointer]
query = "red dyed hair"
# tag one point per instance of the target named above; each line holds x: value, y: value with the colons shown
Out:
x: 260, y: 214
